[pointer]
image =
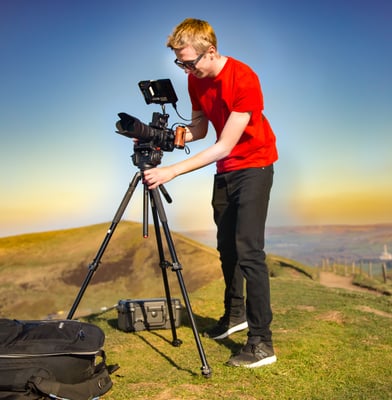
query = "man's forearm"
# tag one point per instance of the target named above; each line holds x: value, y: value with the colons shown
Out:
x: 198, y: 128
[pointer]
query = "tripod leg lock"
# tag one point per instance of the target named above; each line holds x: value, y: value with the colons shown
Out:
x: 93, y: 266
x: 164, y: 264
x: 176, y: 266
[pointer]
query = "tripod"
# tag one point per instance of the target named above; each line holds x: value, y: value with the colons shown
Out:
x: 158, y: 214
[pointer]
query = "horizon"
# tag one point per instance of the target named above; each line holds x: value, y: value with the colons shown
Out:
x: 310, y: 245
x: 209, y: 229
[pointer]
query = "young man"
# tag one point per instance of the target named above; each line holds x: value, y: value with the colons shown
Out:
x: 228, y: 93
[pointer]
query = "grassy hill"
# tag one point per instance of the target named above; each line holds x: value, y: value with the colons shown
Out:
x: 330, y: 343
x: 42, y: 273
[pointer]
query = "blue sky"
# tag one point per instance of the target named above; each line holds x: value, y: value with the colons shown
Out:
x: 68, y: 67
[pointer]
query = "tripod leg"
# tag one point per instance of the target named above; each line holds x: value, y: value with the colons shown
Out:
x: 164, y: 264
x: 176, y: 266
x: 145, y: 211
x: 94, y: 265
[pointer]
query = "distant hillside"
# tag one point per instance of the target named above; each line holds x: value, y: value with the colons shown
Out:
x: 311, y: 244
x: 41, y: 274
x: 339, y: 243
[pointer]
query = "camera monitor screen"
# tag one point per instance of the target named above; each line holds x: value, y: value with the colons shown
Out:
x: 159, y: 92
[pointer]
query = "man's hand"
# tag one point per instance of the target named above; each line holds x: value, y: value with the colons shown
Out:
x: 158, y: 176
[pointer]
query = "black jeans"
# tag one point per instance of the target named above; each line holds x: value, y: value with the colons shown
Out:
x: 240, y: 203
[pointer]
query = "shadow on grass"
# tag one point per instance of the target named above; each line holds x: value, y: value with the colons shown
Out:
x: 175, y: 342
x: 201, y: 322
x: 160, y: 353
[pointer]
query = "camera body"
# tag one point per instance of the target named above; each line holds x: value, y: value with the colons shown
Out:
x: 162, y: 136
x: 149, y: 151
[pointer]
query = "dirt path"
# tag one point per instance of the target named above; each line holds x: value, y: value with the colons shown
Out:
x: 337, y: 281
x: 343, y: 282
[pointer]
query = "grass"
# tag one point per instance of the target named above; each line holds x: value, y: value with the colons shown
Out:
x: 330, y: 343
x: 374, y: 283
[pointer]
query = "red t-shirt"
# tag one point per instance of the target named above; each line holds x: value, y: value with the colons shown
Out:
x: 236, y: 88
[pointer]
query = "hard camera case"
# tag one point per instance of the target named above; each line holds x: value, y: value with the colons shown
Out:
x: 147, y: 314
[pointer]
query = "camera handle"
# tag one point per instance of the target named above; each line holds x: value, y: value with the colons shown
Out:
x: 159, y: 214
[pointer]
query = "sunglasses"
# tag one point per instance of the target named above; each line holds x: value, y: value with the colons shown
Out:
x: 191, y: 65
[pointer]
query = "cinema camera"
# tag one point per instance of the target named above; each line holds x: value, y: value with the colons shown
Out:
x: 156, y: 137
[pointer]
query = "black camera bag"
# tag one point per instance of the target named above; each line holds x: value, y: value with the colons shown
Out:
x: 52, y: 360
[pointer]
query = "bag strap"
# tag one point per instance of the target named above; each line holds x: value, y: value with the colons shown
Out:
x: 98, y: 384
x: 16, y: 395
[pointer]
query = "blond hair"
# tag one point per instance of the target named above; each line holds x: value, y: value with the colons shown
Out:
x: 192, y: 32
